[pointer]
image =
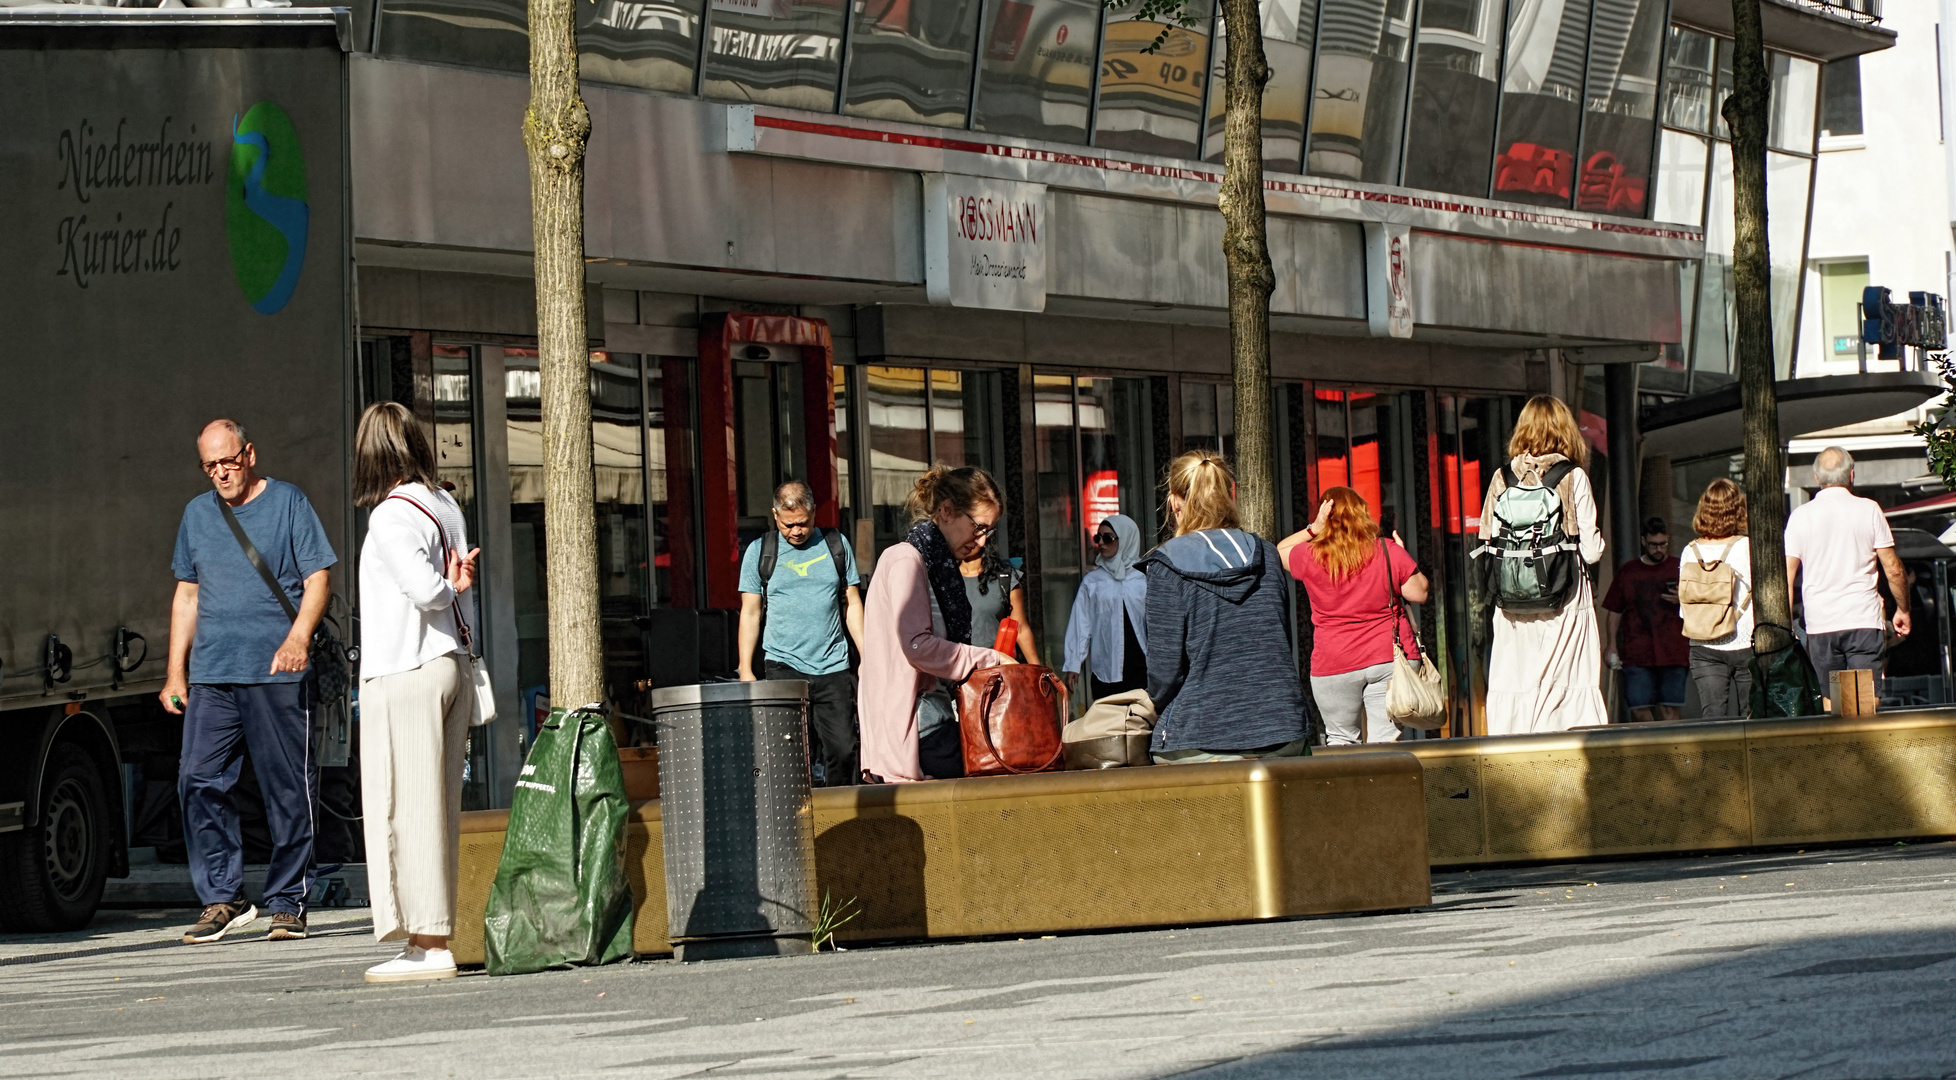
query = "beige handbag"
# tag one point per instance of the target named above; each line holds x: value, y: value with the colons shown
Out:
x: 1415, y: 697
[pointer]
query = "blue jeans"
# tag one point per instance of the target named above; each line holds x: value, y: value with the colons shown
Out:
x: 275, y: 721
x: 1644, y: 687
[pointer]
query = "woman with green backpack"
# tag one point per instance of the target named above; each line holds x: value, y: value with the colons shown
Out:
x: 1538, y: 540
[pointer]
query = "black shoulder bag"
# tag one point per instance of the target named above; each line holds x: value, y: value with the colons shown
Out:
x: 326, y: 658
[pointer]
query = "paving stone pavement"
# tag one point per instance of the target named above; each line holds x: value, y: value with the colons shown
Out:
x: 1830, y: 965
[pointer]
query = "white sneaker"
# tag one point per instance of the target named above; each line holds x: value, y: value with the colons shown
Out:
x: 413, y: 965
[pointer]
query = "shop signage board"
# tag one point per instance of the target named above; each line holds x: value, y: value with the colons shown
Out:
x: 985, y: 242
x: 1388, y: 279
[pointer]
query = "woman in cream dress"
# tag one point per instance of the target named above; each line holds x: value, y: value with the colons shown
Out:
x: 1545, y: 673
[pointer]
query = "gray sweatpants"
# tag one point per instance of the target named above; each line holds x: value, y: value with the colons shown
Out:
x: 1341, y: 698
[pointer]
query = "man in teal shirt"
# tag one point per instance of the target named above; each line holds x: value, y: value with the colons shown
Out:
x: 811, y: 595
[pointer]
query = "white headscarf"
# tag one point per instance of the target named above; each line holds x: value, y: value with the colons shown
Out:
x: 1128, y: 553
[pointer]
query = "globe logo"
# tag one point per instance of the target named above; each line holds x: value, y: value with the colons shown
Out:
x: 265, y: 211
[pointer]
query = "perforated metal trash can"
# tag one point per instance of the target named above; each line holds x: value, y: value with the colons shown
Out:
x: 739, y: 833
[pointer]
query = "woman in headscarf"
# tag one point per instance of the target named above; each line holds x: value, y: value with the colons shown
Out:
x: 917, y: 631
x: 1108, y: 631
x: 997, y: 591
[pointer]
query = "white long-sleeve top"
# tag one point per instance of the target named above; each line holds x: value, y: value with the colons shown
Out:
x: 407, y: 606
x: 1093, y: 630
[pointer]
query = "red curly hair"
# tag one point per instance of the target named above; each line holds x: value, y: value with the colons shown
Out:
x: 1350, y: 537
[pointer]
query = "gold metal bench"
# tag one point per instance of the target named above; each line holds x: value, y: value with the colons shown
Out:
x: 1167, y: 845
x: 1674, y: 788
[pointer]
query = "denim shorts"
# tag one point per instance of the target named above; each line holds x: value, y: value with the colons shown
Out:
x: 1644, y: 687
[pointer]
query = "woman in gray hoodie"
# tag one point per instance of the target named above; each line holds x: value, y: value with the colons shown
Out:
x: 1219, y: 657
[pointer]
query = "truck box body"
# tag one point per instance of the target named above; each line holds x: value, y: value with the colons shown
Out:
x: 177, y: 249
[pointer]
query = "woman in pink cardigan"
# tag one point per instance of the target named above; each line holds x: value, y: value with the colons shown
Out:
x: 917, y: 631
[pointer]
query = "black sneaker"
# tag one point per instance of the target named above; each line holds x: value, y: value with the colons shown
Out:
x: 287, y: 926
x: 219, y: 920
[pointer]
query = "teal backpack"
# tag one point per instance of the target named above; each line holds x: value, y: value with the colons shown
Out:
x: 1531, y: 564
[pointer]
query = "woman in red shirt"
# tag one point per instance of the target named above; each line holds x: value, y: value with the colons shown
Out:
x: 1355, y: 580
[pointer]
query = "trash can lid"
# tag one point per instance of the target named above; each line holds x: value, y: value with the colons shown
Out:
x: 729, y: 693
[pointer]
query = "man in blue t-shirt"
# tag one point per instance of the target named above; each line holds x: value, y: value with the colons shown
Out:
x: 237, y: 673
x: 811, y: 596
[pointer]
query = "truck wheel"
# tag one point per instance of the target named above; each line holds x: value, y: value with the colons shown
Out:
x: 52, y: 874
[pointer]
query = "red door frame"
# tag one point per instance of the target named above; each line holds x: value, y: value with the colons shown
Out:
x: 719, y: 485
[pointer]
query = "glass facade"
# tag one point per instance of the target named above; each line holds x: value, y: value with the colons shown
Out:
x: 774, y: 52
x: 1035, y: 73
x: 1456, y: 90
x: 1561, y: 103
x: 1152, y: 102
x: 1358, y: 96
x: 1541, y: 95
x: 910, y: 60
x: 1288, y: 27
x: 1626, y: 42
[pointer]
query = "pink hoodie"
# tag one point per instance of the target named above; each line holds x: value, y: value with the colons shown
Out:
x: 901, y: 651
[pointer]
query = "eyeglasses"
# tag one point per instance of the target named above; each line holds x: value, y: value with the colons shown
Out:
x: 983, y: 531
x: 226, y: 464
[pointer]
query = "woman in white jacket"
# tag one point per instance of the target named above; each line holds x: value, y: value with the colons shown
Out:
x: 415, y: 694
x: 1107, y: 633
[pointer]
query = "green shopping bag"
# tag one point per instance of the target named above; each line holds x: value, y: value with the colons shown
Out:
x: 560, y: 895
x: 1784, y: 683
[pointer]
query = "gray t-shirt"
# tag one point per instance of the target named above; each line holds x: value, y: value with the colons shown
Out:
x: 990, y: 608
x: 240, y: 624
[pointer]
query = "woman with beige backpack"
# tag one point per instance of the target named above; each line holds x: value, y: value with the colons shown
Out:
x: 1715, y: 600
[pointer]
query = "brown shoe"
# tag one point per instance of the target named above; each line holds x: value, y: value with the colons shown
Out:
x: 219, y: 920
x: 287, y: 927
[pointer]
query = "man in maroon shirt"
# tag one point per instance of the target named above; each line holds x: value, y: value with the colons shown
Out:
x: 1646, y: 633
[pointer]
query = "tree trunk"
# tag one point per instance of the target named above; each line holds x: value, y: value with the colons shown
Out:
x: 1246, y: 252
x: 1765, y: 467
x: 555, y: 129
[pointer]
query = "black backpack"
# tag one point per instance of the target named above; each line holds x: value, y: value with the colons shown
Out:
x: 1530, y: 565
x: 771, y: 553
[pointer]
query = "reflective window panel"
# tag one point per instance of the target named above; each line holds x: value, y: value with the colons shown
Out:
x: 1680, y: 195
x: 1711, y: 346
x: 774, y: 52
x: 1358, y: 96
x: 1456, y: 86
x: 899, y: 445
x: 845, y: 446
x: 648, y: 45
x: 1036, y: 67
x: 1840, y: 313
x: 910, y: 60
x: 1287, y: 29
x: 1625, y: 46
x: 1787, y: 180
x: 1208, y: 417
x: 1840, y: 98
x: 1152, y: 102
x: 1055, y: 466
x: 1541, y: 92
x: 1688, y: 80
x: 1796, y: 86
x: 478, y: 33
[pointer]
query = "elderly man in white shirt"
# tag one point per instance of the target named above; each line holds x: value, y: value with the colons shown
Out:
x: 1838, y: 538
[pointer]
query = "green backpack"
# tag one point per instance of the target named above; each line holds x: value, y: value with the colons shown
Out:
x: 1531, y: 563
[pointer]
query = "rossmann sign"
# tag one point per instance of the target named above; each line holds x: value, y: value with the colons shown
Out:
x: 984, y: 243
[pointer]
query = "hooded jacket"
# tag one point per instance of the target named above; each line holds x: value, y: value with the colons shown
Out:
x: 1220, y: 668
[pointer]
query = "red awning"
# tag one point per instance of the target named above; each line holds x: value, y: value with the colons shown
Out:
x: 1930, y: 505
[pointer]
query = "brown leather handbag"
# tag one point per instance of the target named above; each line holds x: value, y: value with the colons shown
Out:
x: 1010, y: 717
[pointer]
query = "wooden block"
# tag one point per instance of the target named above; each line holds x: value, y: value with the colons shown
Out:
x: 1851, y: 692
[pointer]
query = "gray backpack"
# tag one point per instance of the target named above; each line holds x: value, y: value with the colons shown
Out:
x: 1531, y: 563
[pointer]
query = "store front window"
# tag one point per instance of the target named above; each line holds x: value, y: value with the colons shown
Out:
x: 1625, y: 54
x: 1472, y: 444
x: 918, y: 417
